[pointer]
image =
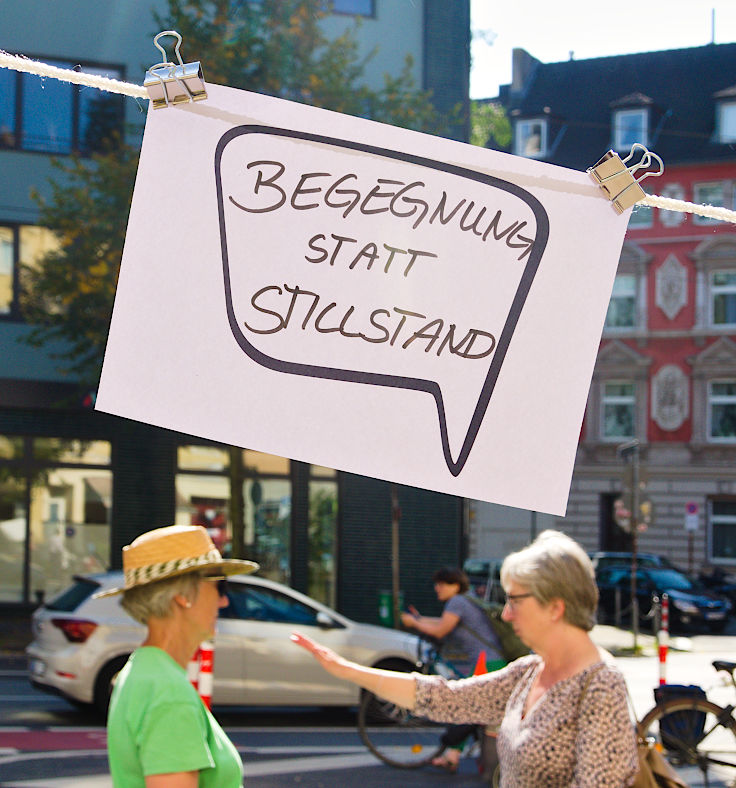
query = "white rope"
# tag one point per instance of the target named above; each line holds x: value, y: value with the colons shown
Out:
x: 20, y: 63
x: 668, y: 204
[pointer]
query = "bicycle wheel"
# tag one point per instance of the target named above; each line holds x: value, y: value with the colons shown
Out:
x: 697, y: 737
x: 395, y: 735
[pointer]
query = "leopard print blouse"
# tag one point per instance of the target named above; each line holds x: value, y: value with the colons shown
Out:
x: 552, y: 746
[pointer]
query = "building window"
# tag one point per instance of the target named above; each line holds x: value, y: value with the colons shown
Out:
x: 722, y: 531
x: 641, y: 217
x: 530, y: 138
x: 716, y: 193
x: 618, y: 411
x: 722, y: 411
x: 322, y: 527
x: 51, y: 116
x: 354, y: 7
x: 630, y: 126
x: 727, y: 122
x: 25, y: 244
x: 55, y: 506
x: 622, y: 306
x: 723, y: 298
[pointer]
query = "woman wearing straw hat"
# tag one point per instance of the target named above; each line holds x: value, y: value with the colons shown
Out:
x: 159, y: 733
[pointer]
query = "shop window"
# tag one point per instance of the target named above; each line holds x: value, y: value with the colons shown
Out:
x: 630, y: 126
x: 530, y: 138
x: 722, y: 531
x: 723, y: 297
x: 55, y: 506
x: 622, y: 306
x: 722, y: 411
x: 58, y: 117
x: 618, y: 411
x: 323, y: 534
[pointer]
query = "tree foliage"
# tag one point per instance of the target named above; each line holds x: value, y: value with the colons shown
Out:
x: 488, y: 121
x: 275, y: 47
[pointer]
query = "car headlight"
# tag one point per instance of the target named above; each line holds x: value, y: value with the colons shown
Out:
x: 685, y: 607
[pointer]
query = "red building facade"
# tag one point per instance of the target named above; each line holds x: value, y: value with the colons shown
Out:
x: 666, y: 369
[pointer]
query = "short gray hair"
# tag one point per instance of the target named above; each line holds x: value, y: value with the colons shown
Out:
x: 153, y: 600
x: 556, y: 567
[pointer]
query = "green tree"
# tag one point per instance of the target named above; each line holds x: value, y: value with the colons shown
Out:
x: 488, y: 121
x: 275, y: 47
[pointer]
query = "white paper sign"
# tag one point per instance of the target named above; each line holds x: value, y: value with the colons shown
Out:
x: 363, y: 297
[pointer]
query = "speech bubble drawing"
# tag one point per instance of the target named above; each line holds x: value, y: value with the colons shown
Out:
x: 354, y: 263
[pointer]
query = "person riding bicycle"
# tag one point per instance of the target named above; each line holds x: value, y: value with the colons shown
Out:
x: 465, y: 632
x: 562, y: 711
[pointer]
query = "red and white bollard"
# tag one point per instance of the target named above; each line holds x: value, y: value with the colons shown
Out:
x: 193, y: 670
x: 206, y: 663
x: 663, y: 638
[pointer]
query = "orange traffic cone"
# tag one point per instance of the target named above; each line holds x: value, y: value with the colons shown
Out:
x: 480, y: 665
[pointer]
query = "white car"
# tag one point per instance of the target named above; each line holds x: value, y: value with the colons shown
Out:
x: 81, y: 643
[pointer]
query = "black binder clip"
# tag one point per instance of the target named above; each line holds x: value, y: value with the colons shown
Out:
x: 617, y: 180
x: 169, y: 83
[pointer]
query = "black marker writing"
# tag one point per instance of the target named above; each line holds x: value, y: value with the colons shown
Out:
x: 268, y: 188
x: 290, y: 307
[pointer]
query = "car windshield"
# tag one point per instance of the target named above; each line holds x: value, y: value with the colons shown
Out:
x: 668, y: 578
x: 70, y: 599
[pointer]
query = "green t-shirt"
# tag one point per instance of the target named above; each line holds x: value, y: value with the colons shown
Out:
x: 158, y: 724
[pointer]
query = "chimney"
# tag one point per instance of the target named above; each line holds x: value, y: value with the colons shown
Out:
x: 522, y: 65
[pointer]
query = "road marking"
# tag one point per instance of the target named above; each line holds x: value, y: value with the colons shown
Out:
x: 303, y: 765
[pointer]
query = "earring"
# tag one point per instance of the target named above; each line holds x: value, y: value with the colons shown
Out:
x: 187, y: 604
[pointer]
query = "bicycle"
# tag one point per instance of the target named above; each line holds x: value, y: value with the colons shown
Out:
x: 397, y: 736
x: 697, y: 736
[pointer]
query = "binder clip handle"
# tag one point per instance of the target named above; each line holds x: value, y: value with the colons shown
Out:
x: 170, y: 83
x: 158, y: 46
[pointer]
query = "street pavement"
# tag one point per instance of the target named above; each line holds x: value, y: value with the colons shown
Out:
x: 43, y: 746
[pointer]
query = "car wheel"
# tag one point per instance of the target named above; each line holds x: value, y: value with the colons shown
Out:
x: 373, y: 711
x: 104, y: 683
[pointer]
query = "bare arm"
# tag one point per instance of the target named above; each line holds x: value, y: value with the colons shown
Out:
x: 435, y: 627
x: 399, y: 688
x: 173, y: 780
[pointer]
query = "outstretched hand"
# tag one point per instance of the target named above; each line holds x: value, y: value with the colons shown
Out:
x: 331, y: 661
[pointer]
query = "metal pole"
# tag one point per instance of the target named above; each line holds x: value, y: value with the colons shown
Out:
x: 395, y: 518
x: 533, y: 527
x: 626, y: 451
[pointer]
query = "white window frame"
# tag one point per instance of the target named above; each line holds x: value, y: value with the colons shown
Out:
x: 617, y: 399
x: 632, y: 295
x: 719, y: 399
x: 621, y: 144
x: 714, y: 520
x: 715, y: 290
x: 522, y: 134
x: 726, y: 121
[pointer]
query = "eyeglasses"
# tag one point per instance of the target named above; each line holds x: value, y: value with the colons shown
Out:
x: 512, y: 600
x: 221, y: 581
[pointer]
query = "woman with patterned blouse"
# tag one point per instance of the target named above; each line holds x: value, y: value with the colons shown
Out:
x: 562, y: 712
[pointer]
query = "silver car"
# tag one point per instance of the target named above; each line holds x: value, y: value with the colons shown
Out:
x: 81, y: 643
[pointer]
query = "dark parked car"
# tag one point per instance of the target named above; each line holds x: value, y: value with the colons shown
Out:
x: 691, y: 604
x: 484, y: 575
x: 604, y: 558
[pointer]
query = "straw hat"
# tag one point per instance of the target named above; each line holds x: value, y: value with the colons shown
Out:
x: 174, y: 550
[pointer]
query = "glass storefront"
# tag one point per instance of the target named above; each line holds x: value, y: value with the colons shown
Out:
x: 203, y: 483
x: 55, y: 509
